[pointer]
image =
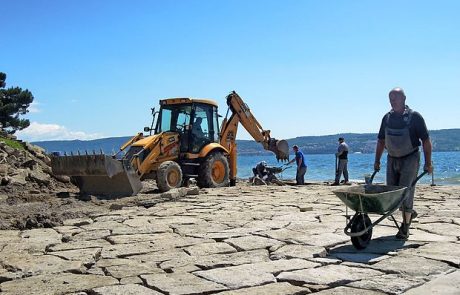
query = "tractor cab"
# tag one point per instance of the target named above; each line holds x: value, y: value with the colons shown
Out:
x: 196, y: 121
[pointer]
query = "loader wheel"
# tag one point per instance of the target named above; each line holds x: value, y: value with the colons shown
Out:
x: 214, y: 171
x: 169, y: 176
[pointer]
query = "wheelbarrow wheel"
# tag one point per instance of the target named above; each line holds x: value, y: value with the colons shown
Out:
x: 359, y: 223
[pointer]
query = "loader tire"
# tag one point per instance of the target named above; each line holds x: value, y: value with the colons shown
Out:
x: 214, y: 171
x: 169, y: 176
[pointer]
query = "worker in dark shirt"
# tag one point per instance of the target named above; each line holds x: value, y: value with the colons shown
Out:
x: 402, y: 131
x: 342, y: 165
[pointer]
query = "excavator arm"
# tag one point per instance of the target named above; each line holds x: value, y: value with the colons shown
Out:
x: 240, y: 113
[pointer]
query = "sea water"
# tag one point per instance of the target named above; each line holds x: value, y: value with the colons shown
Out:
x: 321, y: 167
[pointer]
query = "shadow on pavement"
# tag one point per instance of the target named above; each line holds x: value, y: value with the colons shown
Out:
x: 377, y: 249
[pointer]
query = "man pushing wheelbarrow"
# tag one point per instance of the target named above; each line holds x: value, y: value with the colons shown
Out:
x: 402, y: 131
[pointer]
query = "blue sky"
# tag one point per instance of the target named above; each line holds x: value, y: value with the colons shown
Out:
x: 304, y: 67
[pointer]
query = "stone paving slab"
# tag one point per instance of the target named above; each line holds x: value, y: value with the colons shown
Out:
x: 410, y: 265
x: 389, y: 284
x: 55, y: 284
x: 209, y: 248
x: 78, y: 245
x: 123, y: 250
x: 253, y: 274
x: 132, y: 269
x: 298, y: 251
x: 131, y: 280
x: 182, y: 283
x: 161, y: 256
x: 32, y: 265
x: 68, y: 230
x: 348, y: 290
x: 236, y: 240
x: 424, y: 236
x: 87, y: 256
x: 202, y: 227
x: 34, y: 241
x: 9, y: 236
x: 328, y: 275
x: 446, y: 285
x: 145, y: 229
x: 128, y: 289
x: 89, y: 235
x: 326, y: 240
x: 232, y: 259
x: 272, y: 289
x: 447, y: 252
x: 252, y: 243
x: 441, y: 228
x: 131, y: 238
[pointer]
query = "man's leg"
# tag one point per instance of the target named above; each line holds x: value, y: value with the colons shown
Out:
x: 345, y: 170
x: 303, y: 170
x: 405, y: 170
x: 393, y: 167
x: 392, y: 171
x: 339, y: 172
x: 409, y: 170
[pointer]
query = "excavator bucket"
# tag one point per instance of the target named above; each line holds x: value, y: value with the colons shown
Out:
x: 280, y: 148
x: 98, y: 174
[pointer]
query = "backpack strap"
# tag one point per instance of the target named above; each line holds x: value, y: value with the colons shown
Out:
x: 387, y: 118
x: 409, y: 117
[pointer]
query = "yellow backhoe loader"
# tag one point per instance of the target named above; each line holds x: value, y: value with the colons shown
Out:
x: 187, y: 142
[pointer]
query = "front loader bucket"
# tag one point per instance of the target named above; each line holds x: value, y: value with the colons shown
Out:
x: 98, y: 174
x: 280, y: 148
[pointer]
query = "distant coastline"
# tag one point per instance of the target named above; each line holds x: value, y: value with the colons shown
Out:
x: 445, y: 140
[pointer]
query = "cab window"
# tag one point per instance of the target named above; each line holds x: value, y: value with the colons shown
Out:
x: 174, y: 118
x: 203, y: 131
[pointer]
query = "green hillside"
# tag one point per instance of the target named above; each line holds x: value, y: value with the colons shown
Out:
x: 443, y: 140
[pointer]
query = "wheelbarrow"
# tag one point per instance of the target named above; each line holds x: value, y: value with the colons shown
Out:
x: 375, y: 199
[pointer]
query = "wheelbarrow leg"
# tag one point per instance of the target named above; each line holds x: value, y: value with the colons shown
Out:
x: 349, y: 222
x: 394, y: 220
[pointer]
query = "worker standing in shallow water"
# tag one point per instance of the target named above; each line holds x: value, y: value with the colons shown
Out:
x: 301, y: 165
x: 342, y: 162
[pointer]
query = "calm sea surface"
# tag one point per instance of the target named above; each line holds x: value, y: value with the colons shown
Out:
x: 322, y: 167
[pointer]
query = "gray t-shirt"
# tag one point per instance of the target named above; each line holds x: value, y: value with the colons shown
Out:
x: 343, y: 150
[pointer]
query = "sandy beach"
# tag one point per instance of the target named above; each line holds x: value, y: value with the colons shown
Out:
x: 237, y: 240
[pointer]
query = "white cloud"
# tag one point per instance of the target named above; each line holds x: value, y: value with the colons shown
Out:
x: 39, y: 132
x: 33, y: 107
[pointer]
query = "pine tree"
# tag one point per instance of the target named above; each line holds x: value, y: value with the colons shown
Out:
x: 13, y: 102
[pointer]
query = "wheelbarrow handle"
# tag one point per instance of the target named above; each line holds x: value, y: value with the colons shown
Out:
x: 418, y: 178
x: 372, y: 176
x: 413, y: 183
